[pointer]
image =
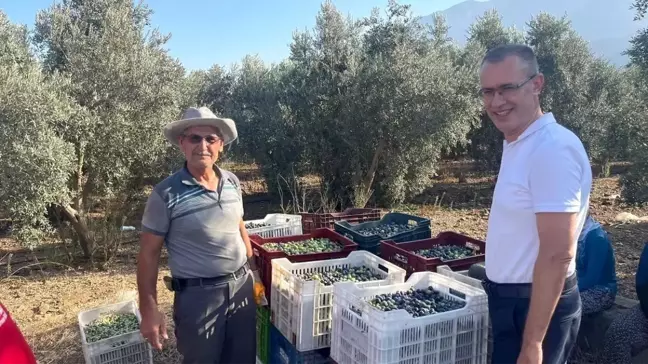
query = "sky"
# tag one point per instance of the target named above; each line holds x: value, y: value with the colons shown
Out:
x: 208, y: 32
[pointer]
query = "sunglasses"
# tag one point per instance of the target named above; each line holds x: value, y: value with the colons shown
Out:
x: 197, y: 139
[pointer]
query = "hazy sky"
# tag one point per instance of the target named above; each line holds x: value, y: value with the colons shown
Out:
x: 205, y: 32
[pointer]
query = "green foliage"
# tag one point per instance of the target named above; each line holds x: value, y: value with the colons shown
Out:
x: 635, y: 182
x: 370, y: 106
x: 124, y: 79
x: 120, y: 87
x: 35, y: 159
x: 586, y: 94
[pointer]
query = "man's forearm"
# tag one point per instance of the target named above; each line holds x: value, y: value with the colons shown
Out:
x: 548, y: 283
x: 248, y: 245
x: 147, y: 272
x: 246, y: 239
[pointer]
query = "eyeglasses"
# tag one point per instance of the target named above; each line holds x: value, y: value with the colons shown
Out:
x: 197, y: 139
x: 504, y: 90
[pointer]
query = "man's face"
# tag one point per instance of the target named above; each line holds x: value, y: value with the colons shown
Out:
x: 510, y: 95
x: 201, y: 146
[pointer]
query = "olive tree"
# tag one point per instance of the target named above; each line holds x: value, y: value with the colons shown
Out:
x: 35, y: 159
x: 123, y: 87
x: 635, y: 182
x: 380, y: 100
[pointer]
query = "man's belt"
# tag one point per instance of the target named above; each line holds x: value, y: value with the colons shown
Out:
x: 520, y: 290
x: 179, y: 284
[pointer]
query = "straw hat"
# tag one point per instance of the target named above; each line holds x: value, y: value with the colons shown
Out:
x: 200, y: 117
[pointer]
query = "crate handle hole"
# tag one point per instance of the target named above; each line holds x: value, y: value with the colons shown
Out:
x: 383, y: 268
x: 456, y: 293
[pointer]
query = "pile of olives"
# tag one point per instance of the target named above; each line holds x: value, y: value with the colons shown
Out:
x: 256, y: 225
x: 385, y: 230
x: 310, y: 246
x: 110, y: 325
x: 446, y: 252
x: 348, y: 274
x: 418, y: 302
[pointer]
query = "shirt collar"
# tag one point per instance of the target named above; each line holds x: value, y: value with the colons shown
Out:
x: 541, y: 122
x: 188, y: 179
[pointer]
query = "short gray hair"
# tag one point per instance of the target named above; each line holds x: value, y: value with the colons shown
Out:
x: 523, y: 52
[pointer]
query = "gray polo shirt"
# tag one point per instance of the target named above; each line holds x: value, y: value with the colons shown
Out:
x: 200, y: 227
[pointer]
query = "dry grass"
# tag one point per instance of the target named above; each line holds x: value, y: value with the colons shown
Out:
x: 46, y: 298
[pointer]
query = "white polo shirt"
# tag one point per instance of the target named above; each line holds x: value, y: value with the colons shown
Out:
x: 545, y: 170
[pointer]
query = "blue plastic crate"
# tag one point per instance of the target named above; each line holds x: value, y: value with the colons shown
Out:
x: 283, y: 352
x: 421, y: 230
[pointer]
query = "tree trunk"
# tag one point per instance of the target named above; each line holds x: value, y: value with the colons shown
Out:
x: 78, y: 203
x: 80, y: 228
x: 367, y: 181
x: 606, y: 166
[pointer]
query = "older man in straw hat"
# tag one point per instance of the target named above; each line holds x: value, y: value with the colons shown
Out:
x: 198, y: 214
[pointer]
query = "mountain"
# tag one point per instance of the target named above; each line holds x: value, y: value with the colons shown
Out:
x: 607, y: 25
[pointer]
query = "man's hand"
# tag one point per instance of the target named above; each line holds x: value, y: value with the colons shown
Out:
x: 153, y: 324
x: 153, y: 327
x: 530, y: 354
x: 259, y: 289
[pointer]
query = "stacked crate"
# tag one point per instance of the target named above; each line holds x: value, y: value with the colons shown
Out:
x: 272, y: 225
x: 302, y: 307
x: 275, y: 225
x: 304, y: 312
x: 313, y: 221
x: 280, y: 350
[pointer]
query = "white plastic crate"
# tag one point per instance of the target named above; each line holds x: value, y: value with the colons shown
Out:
x: 363, y: 334
x: 128, y: 348
x: 280, y: 225
x: 302, y: 310
x: 461, y: 276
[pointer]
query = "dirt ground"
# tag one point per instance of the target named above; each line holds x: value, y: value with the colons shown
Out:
x: 45, y: 293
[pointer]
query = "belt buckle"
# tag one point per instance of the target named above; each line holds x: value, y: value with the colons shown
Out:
x: 241, y: 272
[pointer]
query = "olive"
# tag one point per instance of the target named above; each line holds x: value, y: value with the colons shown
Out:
x: 110, y: 325
x: 310, y: 246
x: 385, y: 230
x: 256, y: 225
x: 417, y: 302
x: 353, y: 274
x: 446, y: 252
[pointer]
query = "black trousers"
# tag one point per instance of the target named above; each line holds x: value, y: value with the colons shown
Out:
x: 508, y: 306
x: 217, y: 324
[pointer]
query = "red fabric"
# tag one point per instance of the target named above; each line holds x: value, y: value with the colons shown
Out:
x: 13, y: 346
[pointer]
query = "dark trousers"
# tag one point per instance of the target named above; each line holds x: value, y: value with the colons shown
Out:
x: 216, y: 324
x: 508, y: 306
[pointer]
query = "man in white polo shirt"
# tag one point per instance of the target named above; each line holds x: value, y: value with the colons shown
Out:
x: 539, y: 206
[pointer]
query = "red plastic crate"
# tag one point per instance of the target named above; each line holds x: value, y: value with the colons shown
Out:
x: 402, y: 254
x: 264, y: 257
x: 312, y: 221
